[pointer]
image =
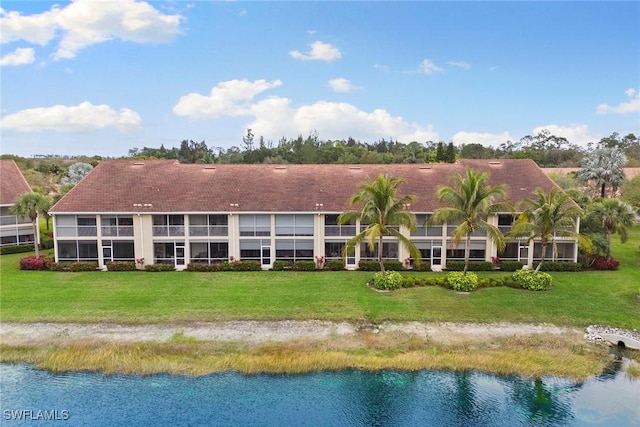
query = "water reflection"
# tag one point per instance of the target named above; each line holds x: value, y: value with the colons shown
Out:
x: 345, y: 398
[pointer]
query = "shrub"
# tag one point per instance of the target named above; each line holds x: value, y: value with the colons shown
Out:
x: 282, y: 265
x: 74, y: 266
x: 33, y: 263
x: 409, y: 281
x: 121, y: 265
x: 335, y: 265
x: 46, y: 242
x: 156, y: 268
x: 603, y: 263
x: 423, y: 266
x: 461, y: 282
x: 200, y: 267
x: 245, y: 266
x: 532, y: 281
x: 558, y: 266
x: 389, y: 280
x: 473, y: 266
x: 393, y: 265
x: 368, y: 265
x: 304, y: 266
x: 511, y: 265
x: 17, y: 249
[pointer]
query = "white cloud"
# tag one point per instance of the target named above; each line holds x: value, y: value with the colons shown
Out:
x: 428, y: 67
x: 20, y: 56
x: 630, y: 106
x: 83, y: 23
x: 226, y: 99
x: 275, y: 116
x: 319, y: 52
x: 78, y: 118
x: 575, y: 134
x: 484, y: 138
x: 342, y: 85
x: 459, y: 64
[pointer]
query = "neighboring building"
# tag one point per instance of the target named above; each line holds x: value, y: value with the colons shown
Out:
x: 167, y: 212
x: 13, y: 230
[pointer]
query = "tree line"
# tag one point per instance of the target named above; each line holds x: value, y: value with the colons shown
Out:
x: 546, y: 149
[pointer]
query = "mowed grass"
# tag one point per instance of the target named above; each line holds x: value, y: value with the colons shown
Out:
x: 578, y: 299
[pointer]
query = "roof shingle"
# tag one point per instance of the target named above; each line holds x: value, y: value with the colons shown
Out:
x: 116, y: 185
x: 12, y: 182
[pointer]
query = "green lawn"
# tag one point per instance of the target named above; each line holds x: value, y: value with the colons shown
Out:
x: 578, y: 299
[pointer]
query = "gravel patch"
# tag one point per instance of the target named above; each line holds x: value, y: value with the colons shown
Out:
x: 265, y: 331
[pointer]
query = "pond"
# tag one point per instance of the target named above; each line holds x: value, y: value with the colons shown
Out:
x: 343, y: 398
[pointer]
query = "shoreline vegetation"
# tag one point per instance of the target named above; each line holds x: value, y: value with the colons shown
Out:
x: 178, y: 300
x: 537, y: 352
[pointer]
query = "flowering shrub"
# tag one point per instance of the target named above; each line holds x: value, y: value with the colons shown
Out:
x: 461, y: 282
x: 121, y: 266
x: 528, y: 279
x: 140, y: 262
x: 603, y: 263
x: 389, y: 280
x: 35, y: 263
x: 319, y: 262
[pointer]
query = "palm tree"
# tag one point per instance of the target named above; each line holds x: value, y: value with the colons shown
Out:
x: 605, y: 166
x: 30, y: 205
x: 470, y: 201
x: 382, y: 210
x: 614, y: 216
x: 544, y: 217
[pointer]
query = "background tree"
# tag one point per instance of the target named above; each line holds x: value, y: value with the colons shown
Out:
x: 631, y: 192
x: 30, y: 205
x: 613, y: 216
x: 76, y: 172
x: 546, y: 216
x: 470, y: 201
x: 604, y: 166
x: 382, y: 210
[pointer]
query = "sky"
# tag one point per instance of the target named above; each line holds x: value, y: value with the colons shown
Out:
x: 101, y: 77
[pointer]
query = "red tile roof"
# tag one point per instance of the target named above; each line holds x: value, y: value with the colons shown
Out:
x: 116, y: 185
x: 12, y: 182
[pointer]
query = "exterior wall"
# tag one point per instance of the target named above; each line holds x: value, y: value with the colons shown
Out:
x: 14, y: 230
x: 145, y: 241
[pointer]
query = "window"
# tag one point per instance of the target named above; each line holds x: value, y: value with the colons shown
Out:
x: 294, y: 250
x: 250, y: 249
x: 332, y: 228
x: 78, y: 250
x: 87, y: 226
x: 425, y: 249
x: 451, y: 228
x: 333, y: 250
x: 255, y: 225
x: 477, y: 250
x: 505, y: 222
x: 565, y: 251
x: 423, y: 229
x: 118, y: 250
x: 168, y: 225
x: 208, y: 225
x: 294, y: 225
x: 389, y: 251
x: 168, y: 252
x: 75, y: 226
x: 209, y: 252
x: 510, y: 251
x: 116, y: 226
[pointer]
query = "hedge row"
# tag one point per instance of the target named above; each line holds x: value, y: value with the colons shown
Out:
x: 18, y: 249
x: 225, y: 266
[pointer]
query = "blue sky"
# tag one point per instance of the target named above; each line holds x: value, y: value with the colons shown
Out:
x: 89, y: 77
